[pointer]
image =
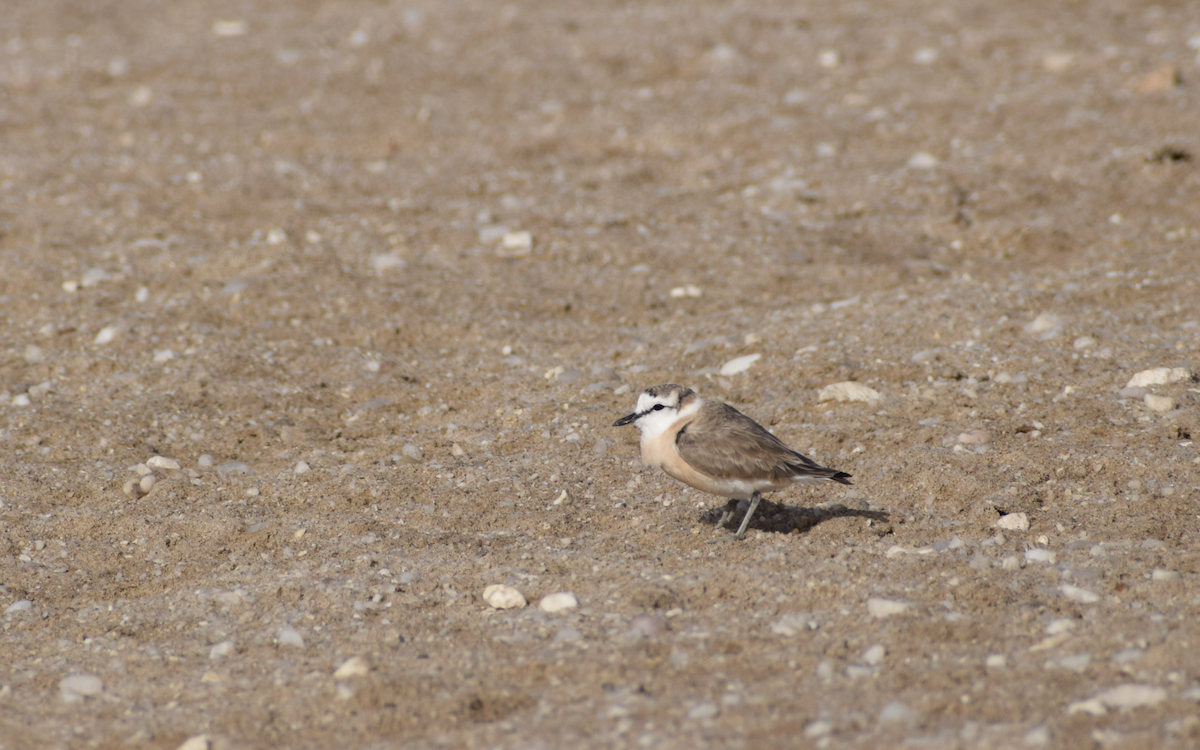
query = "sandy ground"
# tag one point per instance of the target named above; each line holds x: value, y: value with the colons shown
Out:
x: 279, y: 246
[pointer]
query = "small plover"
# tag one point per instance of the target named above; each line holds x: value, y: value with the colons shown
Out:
x: 717, y: 449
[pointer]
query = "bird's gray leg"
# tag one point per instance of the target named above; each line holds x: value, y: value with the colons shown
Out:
x: 729, y: 508
x: 749, y: 512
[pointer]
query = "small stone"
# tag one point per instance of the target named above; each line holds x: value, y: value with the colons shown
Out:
x: 162, y: 462
x: 996, y: 661
x: 20, y: 605
x: 1160, y: 376
x: 1057, y: 62
x: 1124, y: 697
x: 1037, y: 737
x: 222, y: 649
x: 703, y: 710
x: 926, y: 56
x: 690, y: 290
x: 564, y: 498
x: 1013, y: 522
x: 922, y: 160
x: 874, y: 655
x: 77, y: 687
x: 205, y: 461
x: 819, y: 728
x: 558, y: 602
x: 301, y: 467
x: 1077, y: 663
x: 1161, y: 576
x: 388, y: 262
x: 896, y: 712
x: 197, y: 742
x: 1079, y: 595
x: 515, y: 245
x: 647, y: 626
x: 290, y: 637
x: 34, y: 354
x: 881, y: 608
x: 411, y: 453
x: 739, y: 365
x: 457, y: 451
x: 142, y: 294
x: 793, y: 623
x: 491, y: 234
x: 1085, y: 342
x: 1037, y: 554
x: 975, y: 437
x: 163, y: 355
x: 926, y: 356
x: 569, y: 376
x: 355, y: 666
x: 147, y: 483
x: 94, y: 276
x: 848, y: 391
x: 1012, y: 562
x: 499, y: 596
x: 1161, y: 404
x: 106, y: 335
x: 1045, y: 326
x: 234, y: 467
x: 133, y: 488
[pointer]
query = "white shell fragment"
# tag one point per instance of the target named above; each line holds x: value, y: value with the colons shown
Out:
x: 848, y: 391
x: 558, y: 602
x: 162, y: 462
x: 1160, y: 376
x: 741, y: 364
x: 499, y: 596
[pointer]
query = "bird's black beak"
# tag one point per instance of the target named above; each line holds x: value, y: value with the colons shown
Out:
x: 626, y: 420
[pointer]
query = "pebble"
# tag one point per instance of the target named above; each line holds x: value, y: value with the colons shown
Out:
x: 301, y: 467
x: 1079, y: 595
x: 896, y: 712
x: 1045, y: 326
x: 1160, y: 575
x: 739, y: 364
x: 1060, y: 625
x: 558, y: 602
x: 922, y: 160
x: 887, y: 607
x: 1077, y: 663
x: 412, y: 453
x: 975, y: 437
x: 1037, y: 554
x: 1005, y: 378
x: 388, y: 262
x: 34, y: 354
x: 515, y: 245
x: 1013, y: 522
x: 106, y: 335
x: 1159, y: 404
x: 1132, y: 392
x: 142, y: 294
x: 490, y: 234
x: 1160, y: 376
x: 499, y: 596
x: 162, y: 462
x: 1124, y: 697
x: 222, y: 649
x: 1085, y: 342
x: 564, y: 498
x: 996, y: 661
x: 205, y: 461
x: 1012, y: 562
x: 21, y: 399
x: 926, y: 356
x: 819, y: 728
x: 689, y: 290
x: 290, y: 637
x: 874, y: 655
x: 793, y: 623
x: 20, y: 605
x: 647, y: 626
x: 848, y: 391
x: 703, y: 710
x: 355, y: 666
x: 146, y: 483
x: 94, y: 276
x: 75, y: 688
x: 197, y: 742
x: 568, y: 635
x: 163, y: 355
x: 569, y: 376
x: 234, y: 467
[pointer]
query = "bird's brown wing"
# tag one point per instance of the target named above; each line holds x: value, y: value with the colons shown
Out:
x: 726, y: 444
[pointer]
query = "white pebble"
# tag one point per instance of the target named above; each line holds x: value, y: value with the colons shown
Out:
x: 142, y: 294
x: 996, y: 661
x: 229, y: 28
x: 355, y: 666
x: 21, y: 399
x: 301, y: 467
x: 1013, y: 522
x: 162, y: 462
x: 1045, y: 326
x: 1085, y: 342
x: 107, y: 334
x: 20, y: 605
x: 704, y: 710
x: 1159, y: 376
x: 922, y: 160
x: 1121, y: 697
x: 222, y: 649
x: 1012, y: 562
x: 975, y: 437
x: 388, y: 262
x: 94, y: 276
x: 1160, y: 575
x: 896, y: 712
x: 829, y: 58
x: 926, y: 56
x: 1037, y: 554
x: 499, y: 596
x: 276, y: 237
x: 146, y: 483
x: 848, y: 391
x: 197, y: 742
x: 412, y: 453
x: 205, y: 460
x: 1060, y: 625
x: 1079, y: 595
x: 75, y: 688
x: 34, y: 354
x: 1160, y: 404
x: 646, y: 626
x: 740, y: 364
x: 558, y: 602
x: 874, y: 655
x: 793, y: 623
x: 515, y: 245
x: 689, y: 290
x: 163, y: 355
x: 564, y: 498
x: 887, y: 607
x: 819, y: 728
x: 290, y: 637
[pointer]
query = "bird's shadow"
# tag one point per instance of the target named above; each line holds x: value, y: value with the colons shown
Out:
x: 777, y: 518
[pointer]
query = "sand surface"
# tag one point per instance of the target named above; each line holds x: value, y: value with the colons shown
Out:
x: 281, y: 247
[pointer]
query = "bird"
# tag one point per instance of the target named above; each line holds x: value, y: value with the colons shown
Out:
x: 717, y: 449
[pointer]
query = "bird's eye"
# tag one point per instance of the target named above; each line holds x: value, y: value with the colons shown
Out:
x: 657, y: 407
